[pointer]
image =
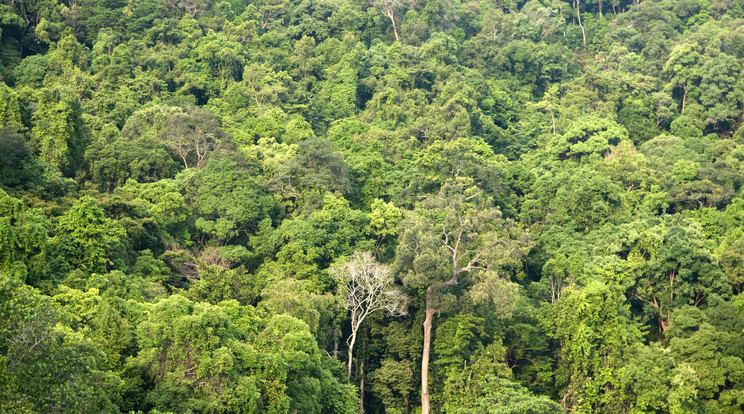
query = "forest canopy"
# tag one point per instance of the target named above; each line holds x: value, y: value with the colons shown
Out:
x: 381, y: 206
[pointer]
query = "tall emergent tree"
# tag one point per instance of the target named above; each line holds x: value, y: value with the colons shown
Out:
x: 455, y: 232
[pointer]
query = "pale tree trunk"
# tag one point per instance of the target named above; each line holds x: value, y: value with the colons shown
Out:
x: 430, y: 310
x: 352, y: 339
x: 391, y: 16
x: 425, y: 404
x: 578, y: 16
x: 600, y: 9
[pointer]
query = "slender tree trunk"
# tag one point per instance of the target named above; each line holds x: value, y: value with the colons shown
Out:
x: 395, y: 28
x: 600, y: 9
x: 425, y: 404
x: 430, y: 309
x: 684, y: 97
x: 25, y: 28
x: 578, y: 16
x: 380, y: 239
x: 361, y: 387
x: 335, y: 343
x: 352, y: 339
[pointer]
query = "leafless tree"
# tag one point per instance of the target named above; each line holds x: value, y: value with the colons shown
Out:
x: 368, y: 287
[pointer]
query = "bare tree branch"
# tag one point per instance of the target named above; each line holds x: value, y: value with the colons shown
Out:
x: 368, y: 287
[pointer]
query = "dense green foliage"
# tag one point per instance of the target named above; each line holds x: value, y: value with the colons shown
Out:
x: 555, y: 186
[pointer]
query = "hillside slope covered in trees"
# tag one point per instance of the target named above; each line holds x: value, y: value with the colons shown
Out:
x: 307, y: 206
